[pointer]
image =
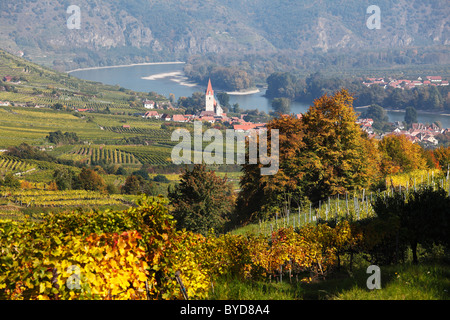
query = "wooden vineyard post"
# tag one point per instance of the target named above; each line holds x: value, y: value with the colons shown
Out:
x: 310, y: 207
x: 147, y: 289
x: 180, y: 283
x: 281, y: 274
x: 346, y: 203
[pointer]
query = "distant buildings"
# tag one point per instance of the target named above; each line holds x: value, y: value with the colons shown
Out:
x: 406, y: 83
x: 149, y: 104
x: 151, y: 114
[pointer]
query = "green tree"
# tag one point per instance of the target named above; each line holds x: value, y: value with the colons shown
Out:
x: 410, y: 116
x: 422, y: 217
x: 281, y: 84
x: 136, y: 184
x: 236, y: 108
x: 65, y: 178
x: 281, y: 105
x: 378, y: 114
x: 201, y: 201
x: 224, y: 99
x: 10, y: 181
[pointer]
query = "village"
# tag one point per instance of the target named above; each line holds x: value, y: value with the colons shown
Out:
x: 213, y: 113
x: 404, y: 83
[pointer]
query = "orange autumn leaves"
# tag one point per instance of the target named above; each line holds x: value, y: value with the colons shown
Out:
x: 325, y: 153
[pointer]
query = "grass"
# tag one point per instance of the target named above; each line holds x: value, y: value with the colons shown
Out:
x: 403, y: 282
x: 428, y: 281
x: 228, y: 288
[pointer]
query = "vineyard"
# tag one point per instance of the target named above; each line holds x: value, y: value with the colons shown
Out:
x: 95, y: 154
x: 156, y: 135
x: 67, y: 198
x: 12, y: 164
x: 352, y: 206
x: 154, y: 155
x: 83, y: 253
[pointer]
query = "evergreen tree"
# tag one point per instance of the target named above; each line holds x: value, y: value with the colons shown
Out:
x: 410, y: 116
x: 201, y: 201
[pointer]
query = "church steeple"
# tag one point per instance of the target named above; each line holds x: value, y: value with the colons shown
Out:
x: 209, y: 90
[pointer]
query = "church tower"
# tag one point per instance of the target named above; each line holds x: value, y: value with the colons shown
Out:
x: 210, y: 101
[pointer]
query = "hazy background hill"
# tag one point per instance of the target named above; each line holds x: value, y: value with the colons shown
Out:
x: 116, y: 32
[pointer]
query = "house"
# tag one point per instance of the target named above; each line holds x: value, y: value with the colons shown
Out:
x: 151, y: 114
x: 149, y: 104
x: 126, y: 126
x: 178, y: 118
x: 7, y: 78
x: 434, y: 78
x: 434, y: 127
x: 209, y: 119
x: 249, y: 126
x: 431, y: 139
x: 4, y: 103
x: 166, y: 117
x: 243, y: 127
x: 207, y: 114
x: 399, y: 125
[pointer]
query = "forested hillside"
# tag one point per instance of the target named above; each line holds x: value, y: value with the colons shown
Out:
x: 137, y: 31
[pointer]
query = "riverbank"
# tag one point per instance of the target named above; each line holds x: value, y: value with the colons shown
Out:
x: 128, y: 65
x: 163, y: 75
x: 176, y: 76
x: 242, y: 93
x: 420, y: 112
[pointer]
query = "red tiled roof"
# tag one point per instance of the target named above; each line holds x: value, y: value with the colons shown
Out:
x: 178, y: 117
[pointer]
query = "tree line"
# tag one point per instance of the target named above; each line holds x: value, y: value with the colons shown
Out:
x: 287, y: 85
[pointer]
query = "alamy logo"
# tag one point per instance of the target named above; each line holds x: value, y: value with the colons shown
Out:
x: 188, y: 151
x: 374, y: 281
x: 374, y: 21
x: 74, y: 21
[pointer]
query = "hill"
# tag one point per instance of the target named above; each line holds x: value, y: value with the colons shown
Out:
x: 142, y: 31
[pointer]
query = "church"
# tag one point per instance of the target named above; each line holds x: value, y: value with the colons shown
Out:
x: 212, y: 105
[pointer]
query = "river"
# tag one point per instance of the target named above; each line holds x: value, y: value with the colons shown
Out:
x: 168, y: 78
